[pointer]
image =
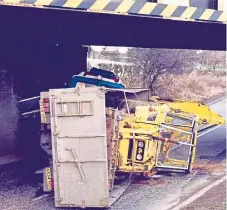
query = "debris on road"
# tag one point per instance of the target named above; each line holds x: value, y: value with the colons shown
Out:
x: 209, y: 167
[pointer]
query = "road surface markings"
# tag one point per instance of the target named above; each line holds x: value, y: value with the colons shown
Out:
x: 41, y: 197
x: 199, y: 194
x: 216, y: 101
x: 208, y: 131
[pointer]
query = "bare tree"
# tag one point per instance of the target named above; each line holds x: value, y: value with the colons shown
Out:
x: 109, y: 54
x: 152, y: 63
x: 214, y: 59
x: 120, y: 69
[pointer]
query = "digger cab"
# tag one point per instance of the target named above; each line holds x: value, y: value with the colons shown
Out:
x: 140, y: 150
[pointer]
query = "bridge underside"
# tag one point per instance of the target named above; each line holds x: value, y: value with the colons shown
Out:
x: 46, y: 43
x: 42, y: 49
x: 23, y: 24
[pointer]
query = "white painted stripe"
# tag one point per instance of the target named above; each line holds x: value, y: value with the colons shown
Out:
x: 208, y: 131
x: 41, y: 197
x: 216, y: 101
x: 35, y: 111
x: 199, y: 194
x: 28, y: 99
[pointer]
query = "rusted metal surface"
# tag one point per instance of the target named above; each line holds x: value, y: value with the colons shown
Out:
x: 112, y: 130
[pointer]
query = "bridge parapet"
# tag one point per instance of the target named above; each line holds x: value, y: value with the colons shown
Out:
x: 128, y: 7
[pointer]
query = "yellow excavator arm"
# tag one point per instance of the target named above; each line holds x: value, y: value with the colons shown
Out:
x: 205, y: 114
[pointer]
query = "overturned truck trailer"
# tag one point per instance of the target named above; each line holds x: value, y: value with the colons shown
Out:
x: 85, y: 150
x: 84, y: 137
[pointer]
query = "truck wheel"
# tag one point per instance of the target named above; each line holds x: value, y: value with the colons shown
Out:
x: 45, y: 143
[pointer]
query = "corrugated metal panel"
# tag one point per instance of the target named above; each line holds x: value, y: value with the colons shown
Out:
x: 79, y: 148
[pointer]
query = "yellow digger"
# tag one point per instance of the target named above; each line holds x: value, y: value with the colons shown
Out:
x: 162, y: 136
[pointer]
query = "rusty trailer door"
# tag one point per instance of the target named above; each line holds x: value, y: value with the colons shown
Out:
x: 79, y: 147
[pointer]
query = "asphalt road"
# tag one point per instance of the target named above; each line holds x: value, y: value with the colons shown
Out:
x: 213, y: 143
x: 164, y: 192
x: 214, y: 199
